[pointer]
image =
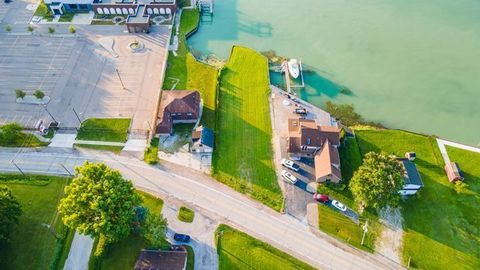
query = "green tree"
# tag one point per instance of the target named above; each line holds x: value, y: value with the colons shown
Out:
x: 8, y: 28
x: 99, y: 202
x: 30, y: 28
x: 377, y: 181
x: 11, y: 132
x: 10, y: 211
x: 72, y: 29
x: 19, y: 93
x: 155, y: 230
x: 51, y: 30
x: 39, y: 94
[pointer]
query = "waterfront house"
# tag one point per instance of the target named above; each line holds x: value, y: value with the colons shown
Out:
x: 453, y: 172
x: 174, y: 259
x: 412, y: 180
x: 202, y: 140
x: 177, y: 106
x: 309, y: 140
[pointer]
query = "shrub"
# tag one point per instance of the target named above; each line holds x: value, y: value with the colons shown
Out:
x: 72, y: 29
x: 51, y: 30
x: 39, y: 94
x: 10, y: 133
x: 8, y: 28
x: 19, y: 93
x: 186, y: 215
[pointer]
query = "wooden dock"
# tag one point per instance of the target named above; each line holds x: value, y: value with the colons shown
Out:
x: 288, y: 82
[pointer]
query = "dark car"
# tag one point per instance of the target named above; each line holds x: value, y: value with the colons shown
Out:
x: 181, y: 238
x: 301, y: 111
x: 7, y: 1
x: 321, y: 197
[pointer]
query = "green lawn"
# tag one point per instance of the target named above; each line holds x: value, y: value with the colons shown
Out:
x: 67, y: 17
x: 43, y: 11
x: 191, y: 74
x: 124, y: 254
x: 186, y: 215
x: 243, y: 155
x: 441, y: 226
x: 24, y: 140
x: 111, y: 148
x: 151, y: 153
x: 104, y: 129
x: 190, y: 258
x: 238, y: 250
x: 33, y: 245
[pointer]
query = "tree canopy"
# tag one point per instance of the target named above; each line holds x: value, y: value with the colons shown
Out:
x: 155, y: 230
x: 377, y: 181
x: 10, y: 132
x: 99, y: 201
x: 10, y: 211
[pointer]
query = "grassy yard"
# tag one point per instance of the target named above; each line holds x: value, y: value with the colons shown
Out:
x: 238, y: 250
x: 243, y: 155
x: 124, y: 254
x: 24, y: 140
x: 186, y: 215
x: 185, y: 72
x: 33, y: 245
x: 111, y: 148
x: 104, y: 129
x: 151, y: 153
x: 190, y: 258
x: 441, y: 226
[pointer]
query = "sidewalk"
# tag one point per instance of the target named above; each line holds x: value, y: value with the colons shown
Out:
x: 79, y: 253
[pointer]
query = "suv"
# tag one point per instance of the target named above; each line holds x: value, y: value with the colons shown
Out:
x: 289, y: 177
x: 301, y: 111
x: 183, y: 238
x: 321, y: 198
x: 290, y: 164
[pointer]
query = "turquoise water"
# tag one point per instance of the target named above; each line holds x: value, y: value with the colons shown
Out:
x: 411, y: 64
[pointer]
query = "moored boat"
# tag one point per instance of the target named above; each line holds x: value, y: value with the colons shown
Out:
x: 293, y: 68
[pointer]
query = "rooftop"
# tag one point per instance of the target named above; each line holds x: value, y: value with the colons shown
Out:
x: 412, y: 176
x: 162, y: 259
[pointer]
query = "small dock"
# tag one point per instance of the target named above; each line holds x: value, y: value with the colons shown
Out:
x: 206, y: 10
x: 288, y: 81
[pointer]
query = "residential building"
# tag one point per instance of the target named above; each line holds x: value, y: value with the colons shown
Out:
x: 412, y: 180
x: 174, y: 259
x: 308, y: 140
x: 177, y: 106
x: 202, y: 140
x: 453, y: 172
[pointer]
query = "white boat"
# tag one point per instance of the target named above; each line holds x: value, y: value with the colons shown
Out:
x: 294, y: 68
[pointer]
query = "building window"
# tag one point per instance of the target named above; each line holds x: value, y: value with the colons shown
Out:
x: 83, y: 6
x: 308, y: 141
x: 173, y: 114
x: 189, y: 114
x: 72, y: 6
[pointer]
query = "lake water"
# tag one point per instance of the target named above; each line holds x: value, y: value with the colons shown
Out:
x: 411, y: 64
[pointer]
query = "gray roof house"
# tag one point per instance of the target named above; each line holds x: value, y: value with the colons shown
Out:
x: 413, y: 181
x: 203, y: 140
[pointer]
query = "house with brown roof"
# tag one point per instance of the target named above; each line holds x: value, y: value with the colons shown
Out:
x: 174, y: 259
x: 307, y: 139
x: 453, y: 172
x: 177, y: 106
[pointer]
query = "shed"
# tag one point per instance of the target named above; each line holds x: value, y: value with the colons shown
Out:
x: 453, y: 172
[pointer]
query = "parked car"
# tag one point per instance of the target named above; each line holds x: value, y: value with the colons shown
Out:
x: 181, y: 238
x: 301, y: 111
x: 289, y: 177
x: 7, y: 1
x: 290, y: 164
x: 321, y: 198
x: 340, y: 206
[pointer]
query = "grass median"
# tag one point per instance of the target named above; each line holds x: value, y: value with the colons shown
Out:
x: 104, y: 129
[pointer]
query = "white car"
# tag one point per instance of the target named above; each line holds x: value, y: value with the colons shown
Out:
x: 290, y: 164
x: 289, y: 177
x: 340, y: 206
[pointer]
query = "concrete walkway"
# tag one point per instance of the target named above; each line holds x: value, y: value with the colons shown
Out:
x: 443, y: 150
x: 63, y: 140
x: 79, y: 253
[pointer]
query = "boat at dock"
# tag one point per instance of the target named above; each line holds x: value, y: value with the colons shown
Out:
x: 293, y: 68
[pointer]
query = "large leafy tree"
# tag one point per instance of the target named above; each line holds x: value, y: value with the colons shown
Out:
x: 10, y: 211
x: 99, y: 202
x: 155, y: 230
x: 377, y: 181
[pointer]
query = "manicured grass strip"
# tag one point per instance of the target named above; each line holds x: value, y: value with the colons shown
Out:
x: 243, y: 155
x: 67, y: 17
x: 441, y: 226
x: 33, y: 245
x: 24, y: 140
x: 238, y: 250
x: 104, y: 129
x: 124, y: 254
x: 186, y: 215
x: 190, y: 258
x: 151, y: 153
x: 111, y: 148
x: 190, y: 73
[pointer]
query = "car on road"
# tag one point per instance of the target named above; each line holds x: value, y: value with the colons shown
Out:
x: 321, y: 198
x: 290, y: 164
x: 340, y: 206
x: 289, y: 177
x: 183, y: 238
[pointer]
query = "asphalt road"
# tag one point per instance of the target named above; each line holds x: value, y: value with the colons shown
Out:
x: 207, y: 195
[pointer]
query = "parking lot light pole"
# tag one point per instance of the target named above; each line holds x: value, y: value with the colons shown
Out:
x: 120, y: 78
x: 45, y: 107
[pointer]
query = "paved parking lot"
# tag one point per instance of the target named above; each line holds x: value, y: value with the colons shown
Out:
x: 82, y: 76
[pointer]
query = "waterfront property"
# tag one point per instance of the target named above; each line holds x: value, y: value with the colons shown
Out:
x: 309, y: 140
x: 177, y: 106
x: 412, y: 180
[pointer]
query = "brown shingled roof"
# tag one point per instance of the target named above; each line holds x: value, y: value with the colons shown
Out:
x: 162, y: 260
x: 177, y: 102
x: 327, y: 162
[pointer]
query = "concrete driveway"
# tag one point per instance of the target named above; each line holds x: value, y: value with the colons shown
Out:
x: 79, y: 253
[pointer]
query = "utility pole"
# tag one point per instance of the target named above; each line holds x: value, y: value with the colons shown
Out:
x: 120, y: 78
x: 14, y: 164
x: 78, y: 117
x: 45, y: 107
x: 65, y: 168
x: 365, y: 230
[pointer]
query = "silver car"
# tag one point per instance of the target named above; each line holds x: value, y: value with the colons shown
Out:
x: 340, y: 206
x: 290, y: 164
x: 289, y: 177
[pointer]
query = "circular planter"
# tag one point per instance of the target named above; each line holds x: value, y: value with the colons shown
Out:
x: 136, y: 46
